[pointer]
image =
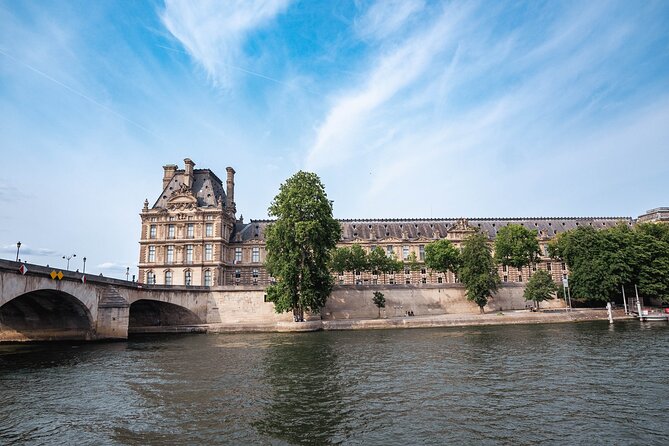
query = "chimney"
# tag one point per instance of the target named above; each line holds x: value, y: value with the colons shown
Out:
x: 170, y: 170
x: 188, y: 174
x: 230, y: 190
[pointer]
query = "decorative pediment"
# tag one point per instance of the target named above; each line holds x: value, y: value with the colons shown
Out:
x: 460, y: 230
x: 182, y: 198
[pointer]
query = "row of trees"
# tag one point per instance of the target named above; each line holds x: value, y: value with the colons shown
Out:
x: 602, y: 261
x: 301, y: 253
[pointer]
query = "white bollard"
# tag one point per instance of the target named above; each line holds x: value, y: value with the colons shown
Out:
x: 608, y: 309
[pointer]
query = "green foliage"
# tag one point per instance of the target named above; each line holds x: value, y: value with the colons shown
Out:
x: 357, y: 260
x: 478, y: 271
x: 601, y: 261
x: 516, y: 246
x: 540, y: 287
x: 299, y: 243
x: 442, y: 256
x: 379, y: 299
x: 339, y: 260
x: 412, y: 262
x: 378, y: 260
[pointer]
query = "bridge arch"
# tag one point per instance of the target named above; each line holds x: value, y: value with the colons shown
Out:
x: 157, y: 313
x: 45, y: 314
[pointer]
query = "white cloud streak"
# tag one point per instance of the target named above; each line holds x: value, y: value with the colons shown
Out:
x: 214, y: 32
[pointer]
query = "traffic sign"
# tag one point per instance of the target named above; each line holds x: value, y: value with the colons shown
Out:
x: 83, y: 279
x: 56, y: 275
x: 23, y: 269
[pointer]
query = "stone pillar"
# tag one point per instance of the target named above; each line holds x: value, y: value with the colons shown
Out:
x: 188, y: 173
x: 113, y: 315
x: 170, y: 170
x: 230, y: 190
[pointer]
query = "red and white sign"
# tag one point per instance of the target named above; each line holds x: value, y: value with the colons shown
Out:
x: 83, y: 279
x: 23, y: 269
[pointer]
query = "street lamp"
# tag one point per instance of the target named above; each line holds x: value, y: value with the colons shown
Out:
x: 68, y: 260
x: 127, y: 273
x: 18, y: 247
x: 84, y: 266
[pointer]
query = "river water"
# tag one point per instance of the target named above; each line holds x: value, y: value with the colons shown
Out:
x: 584, y: 383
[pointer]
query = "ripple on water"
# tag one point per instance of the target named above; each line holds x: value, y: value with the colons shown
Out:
x: 558, y: 384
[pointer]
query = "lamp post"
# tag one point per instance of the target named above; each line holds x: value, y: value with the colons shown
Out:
x: 84, y: 266
x: 127, y: 273
x: 68, y: 260
x: 18, y: 248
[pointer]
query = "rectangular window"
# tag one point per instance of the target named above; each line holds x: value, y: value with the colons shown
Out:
x: 255, y: 255
x: 189, y: 253
x: 190, y: 230
x: 238, y: 274
x: 549, y: 267
x: 440, y: 280
x: 408, y: 281
x: 506, y: 278
x: 255, y: 273
x: 150, y: 278
x: 520, y: 278
x: 168, y: 277
x: 423, y: 280
x: 209, y: 230
x: 503, y: 268
x: 534, y: 267
x: 170, y: 254
x: 207, y: 278
x: 208, y: 251
x: 389, y: 250
x: 421, y: 252
x: 407, y: 271
x: 152, y: 253
x: 170, y: 231
x: 564, y: 266
x: 238, y: 255
x: 423, y: 271
x: 405, y: 252
x: 210, y: 217
x: 152, y: 231
x: 188, y: 278
x: 391, y: 281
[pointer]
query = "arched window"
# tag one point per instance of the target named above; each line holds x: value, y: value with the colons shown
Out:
x: 150, y: 278
x: 188, y: 277
x: 168, y: 277
x: 207, y: 277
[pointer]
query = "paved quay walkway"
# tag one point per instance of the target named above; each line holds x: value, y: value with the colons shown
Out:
x: 444, y: 320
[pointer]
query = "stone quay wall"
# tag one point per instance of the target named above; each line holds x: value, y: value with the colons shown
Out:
x: 247, y: 305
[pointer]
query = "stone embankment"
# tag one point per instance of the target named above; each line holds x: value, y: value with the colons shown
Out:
x: 444, y: 320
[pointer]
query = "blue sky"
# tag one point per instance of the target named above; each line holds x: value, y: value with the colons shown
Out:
x: 404, y: 108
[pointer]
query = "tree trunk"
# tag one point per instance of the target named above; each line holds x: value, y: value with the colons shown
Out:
x: 481, y: 309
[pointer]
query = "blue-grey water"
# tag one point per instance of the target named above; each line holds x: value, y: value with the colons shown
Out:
x: 584, y: 383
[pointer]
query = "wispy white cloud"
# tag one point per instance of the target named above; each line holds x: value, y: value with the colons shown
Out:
x: 458, y: 104
x: 214, y: 32
x: 386, y: 18
x: 28, y: 251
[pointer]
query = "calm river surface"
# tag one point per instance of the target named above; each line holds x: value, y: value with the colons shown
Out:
x: 584, y: 383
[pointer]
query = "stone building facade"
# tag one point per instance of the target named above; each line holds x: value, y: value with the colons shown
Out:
x: 192, y: 236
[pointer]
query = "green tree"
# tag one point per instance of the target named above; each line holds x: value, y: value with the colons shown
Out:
x: 357, y: 260
x: 652, y: 248
x: 379, y: 300
x: 378, y: 262
x: 516, y: 246
x: 540, y: 287
x: 442, y: 256
x: 339, y: 260
x: 599, y: 261
x: 299, y: 243
x: 478, y: 271
x: 412, y: 262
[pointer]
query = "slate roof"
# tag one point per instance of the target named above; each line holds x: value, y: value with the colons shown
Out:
x: 207, y: 188
x: 378, y: 230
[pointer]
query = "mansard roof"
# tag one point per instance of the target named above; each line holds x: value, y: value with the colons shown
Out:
x: 207, y: 189
x: 412, y: 230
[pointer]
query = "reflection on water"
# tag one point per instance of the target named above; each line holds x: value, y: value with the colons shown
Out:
x: 305, y: 401
x: 584, y: 383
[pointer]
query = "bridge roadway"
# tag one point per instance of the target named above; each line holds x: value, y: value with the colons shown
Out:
x: 35, y: 307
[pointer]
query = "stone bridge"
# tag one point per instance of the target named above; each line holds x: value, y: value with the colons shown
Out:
x: 34, y: 306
